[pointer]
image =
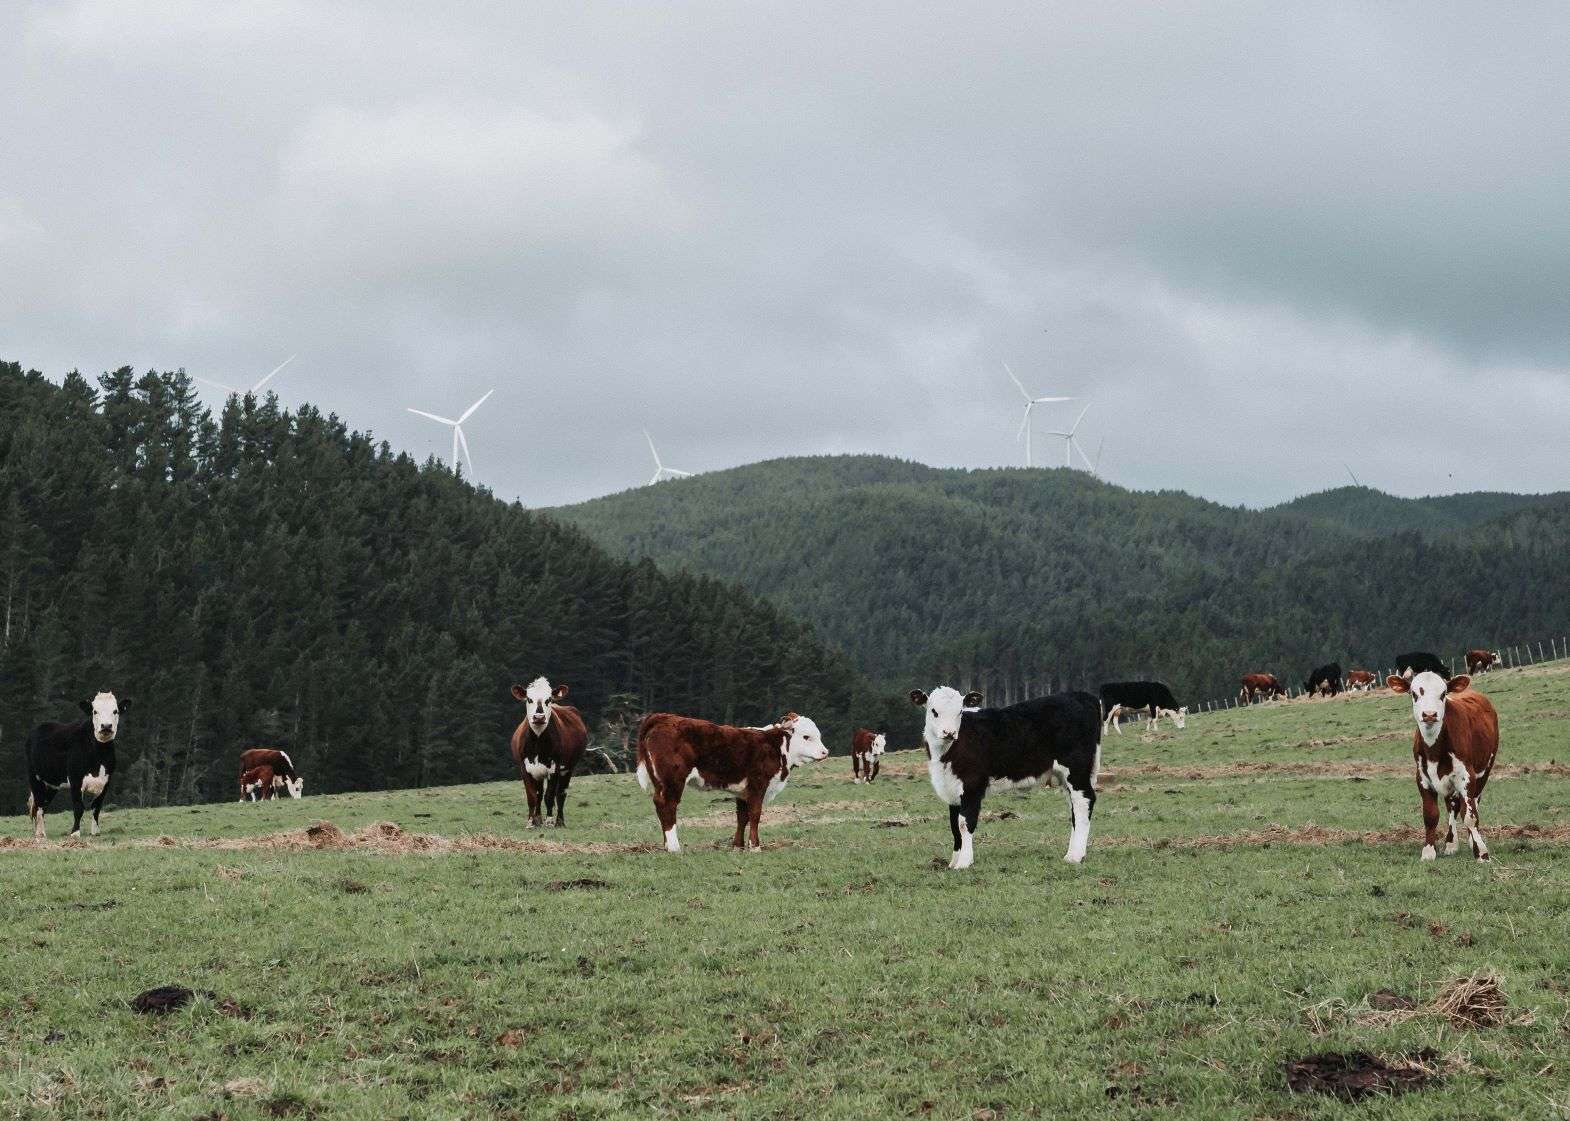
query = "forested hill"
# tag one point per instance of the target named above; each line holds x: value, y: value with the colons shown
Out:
x: 1373, y: 511
x: 261, y: 577
x: 1020, y: 579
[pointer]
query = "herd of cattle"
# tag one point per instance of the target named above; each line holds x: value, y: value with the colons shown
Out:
x: 971, y: 750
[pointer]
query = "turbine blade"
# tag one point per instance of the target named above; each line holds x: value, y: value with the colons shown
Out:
x: 1016, y: 381
x: 1023, y: 422
x: 1082, y: 413
x: 463, y: 442
x: 658, y: 466
x: 216, y: 384
x: 275, y: 369
x: 1101, y: 447
x: 1044, y: 400
x: 432, y: 416
x: 474, y: 406
x: 1085, y: 458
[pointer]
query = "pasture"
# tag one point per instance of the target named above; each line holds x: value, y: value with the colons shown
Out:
x: 1251, y: 882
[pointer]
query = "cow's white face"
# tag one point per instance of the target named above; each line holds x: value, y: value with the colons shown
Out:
x: 879, y: 742
x: 1429, y: 692
x: 1180, y: 717
x: 945, y: 707
x: 537, y: 700
x: 295, y: 786
x: 103, y: 713
x: 804, y: 743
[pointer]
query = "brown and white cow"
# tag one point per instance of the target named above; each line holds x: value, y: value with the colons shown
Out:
x: 286, y: 778
x: 752, y: 764
x: 1481, y: 661
x: 257, y: 784
x: 1454, y: 746
x: 1255, y: 684
x: 546, y: 746
x: 1360, y: 680
x: 866, y: 751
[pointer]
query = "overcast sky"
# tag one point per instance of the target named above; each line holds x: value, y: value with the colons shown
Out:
x: 1258, y: 240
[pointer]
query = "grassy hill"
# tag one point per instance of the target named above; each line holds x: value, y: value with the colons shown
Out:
x: 1023, y: 580
x: 1251, y: 883
x: 1366, y: 510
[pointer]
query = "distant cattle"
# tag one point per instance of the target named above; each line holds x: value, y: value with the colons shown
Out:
x: 1324, y: 680
x: 546, y: 747
x: 1481, y: 661
x: 1420, y: 661
x: 1454, y: 747
x: 286, y: 778
x: 1152, y: 698
x: 751, y: 764
x: 866, y: 753
x: 79, y: 756
x: 1360, y: 681
x: 257, y: 784
x: 1260, y: 684
x: 971, y: 750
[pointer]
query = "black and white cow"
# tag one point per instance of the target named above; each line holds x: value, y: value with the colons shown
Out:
x: 79, y: 756
x: 971, y: 750
x: 1152, y: 698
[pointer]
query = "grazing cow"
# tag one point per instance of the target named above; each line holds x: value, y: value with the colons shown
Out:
x: 546, y: 746
x: 1420, y: 661
x: 285, y: 777
x: 1152, y: 698
x: 971, y: 750
x: 79, y: 756
x: 1454, y: 746
x: 257, y: 784
x: 1481, y: 661
x: 752, y: 764
x: 1360, y: 681
x: 1255, y: 684
x: 866, y: 750
x: 1325, y: 680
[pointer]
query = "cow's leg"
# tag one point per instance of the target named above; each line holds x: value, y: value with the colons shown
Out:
x: 531, y: 792
x: 667, y: 796
x: 1479, y: 849
x: 98, y: 805
x: 1080, y: 788
x: 877, y: 765
x: 954, y: 828
x: 1453, y: 805
x: 38, y: 800
x: 855, y: 767
x: 968, y: 818
x: 740, y: 838
x: 1430, y: 822
x: 77, y: 809
x: 754, y: 816
x: 561, y: 798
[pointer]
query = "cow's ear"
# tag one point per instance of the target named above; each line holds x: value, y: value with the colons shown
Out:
x: 125, y: 704
x: 1397, y: 683
x: 788, y: 721
x: 559, y: 693
x: 917, y: 697
x: 1458, y: 683
x: 85, y: 706
x: 519, y: 693
x: 973, y: 699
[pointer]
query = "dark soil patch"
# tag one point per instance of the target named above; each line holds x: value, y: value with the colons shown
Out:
x: 165, y: 999
x: 1354, y: 1075
x: 586, y: 883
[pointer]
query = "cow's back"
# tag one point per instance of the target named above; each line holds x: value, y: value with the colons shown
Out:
x: 572, y: 733
x: 272, y: 757
x: 1023, y: 739
x: 861, y: 741
x: 1472, y: 725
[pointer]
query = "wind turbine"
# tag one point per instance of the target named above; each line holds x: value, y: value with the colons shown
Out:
x: 1101, y: 447
x: 1030, y: 403
x: 1348, y: 467
x: 457, y: 431
x: 1071, y: 445
x: 662, y: 472
x: 255, y: 389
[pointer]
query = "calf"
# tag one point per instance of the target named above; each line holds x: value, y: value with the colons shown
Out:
x: 1150, y: 697
x: 285, y: 777
x: 1325, y: 680
x: 79, y: 756
x: 1255, y: 684
x: 1420, y: 661
x: 1481, y: 661
x: 752, y: 764
x: 258, y: 783
x: 547, y: 746
x: 1360, y: 681
x: 1454, y: 746
x: 971, y: 750
x: 866, y: 749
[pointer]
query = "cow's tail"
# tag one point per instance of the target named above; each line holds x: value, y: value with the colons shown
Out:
x: 645, y: 772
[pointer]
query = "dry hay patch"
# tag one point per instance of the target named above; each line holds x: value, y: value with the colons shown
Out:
x: 1311, y: 834
x: 1470, y: 1002
x: 389, y: 838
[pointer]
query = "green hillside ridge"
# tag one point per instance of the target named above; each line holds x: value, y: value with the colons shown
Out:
x: 1372, y: 511
x: 1019, y: 580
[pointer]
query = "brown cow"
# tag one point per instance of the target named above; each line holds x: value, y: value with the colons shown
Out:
x: 1256, y: 683
x: 1481, y: 661
x: 1360, y: 681
x: 549, y: 742
x: 750, y: 763
x: 285, y: 776
x: 866, y: 749
x: 1454, y: 746
x: 257, y: 784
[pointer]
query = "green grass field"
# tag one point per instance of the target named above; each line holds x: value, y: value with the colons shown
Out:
x: 1250, y: 882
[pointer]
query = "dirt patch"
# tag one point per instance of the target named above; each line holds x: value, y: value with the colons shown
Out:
x: 1352, y: 768
x: 1473, y: 1001
x: 1323, y: 835
x: 1352, y: 1076
x: 585, y: 883
x: 388, y: 838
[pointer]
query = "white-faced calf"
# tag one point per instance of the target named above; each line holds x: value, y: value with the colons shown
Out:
x: 79, y: 756
x: 971, y: 750
x: 1454, y: 746
x: 866, y: 753
x: 546, y: 747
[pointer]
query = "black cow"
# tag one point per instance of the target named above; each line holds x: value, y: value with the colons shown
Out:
x: 1152, y: 698
x: 1420, y: 661
x: 1326, y: 679
x: 79, y: 755
x: 971, y: 750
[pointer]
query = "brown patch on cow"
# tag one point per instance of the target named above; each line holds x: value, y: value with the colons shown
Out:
x: 1353, y: 1076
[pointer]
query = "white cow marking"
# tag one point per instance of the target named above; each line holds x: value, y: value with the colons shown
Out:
x: 671, y: 843
x: 965, y: 856
x: 93, y: 784
x: 945, y: 783
x: 776, y: 784
x: 536, y: 769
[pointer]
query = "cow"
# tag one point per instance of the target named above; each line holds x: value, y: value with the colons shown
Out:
x: 1325, y: 680
x: 257, y: 784
x: 866, y: 751
x: 971, y: 750
x: 1152, y: 698
x: 1481, y: 661
x: 1256, y: 683
x: 79, y: 755
x: 751, y: 764
x: 1454, y: 746
x: 285, y: 777
x: 1420, y: 661
x: 1360, y: 681
x: 546, y: 747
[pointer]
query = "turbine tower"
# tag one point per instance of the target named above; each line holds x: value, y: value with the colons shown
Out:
x: 662, y: 472
x: 1030, y: 403
x: 458, y: 440
x: 255, y: 389
x: 1071, y: 445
